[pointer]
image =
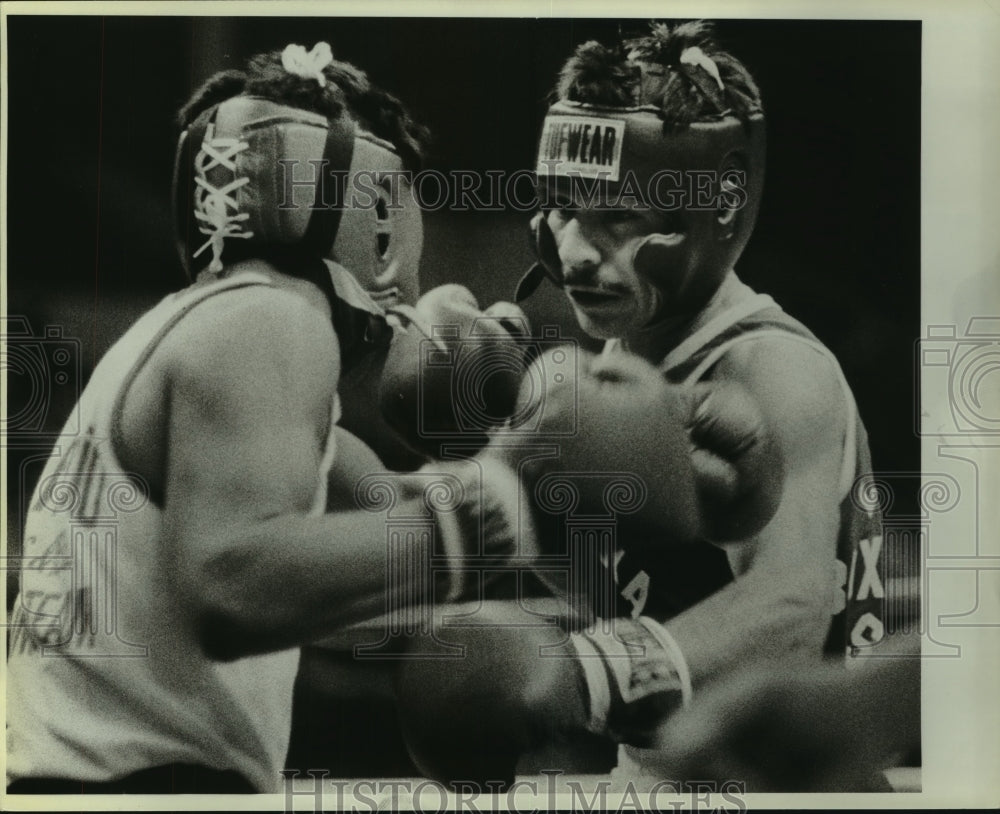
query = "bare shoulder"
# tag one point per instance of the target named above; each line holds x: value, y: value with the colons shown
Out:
x: 258, y: 334
x: 798, y: 386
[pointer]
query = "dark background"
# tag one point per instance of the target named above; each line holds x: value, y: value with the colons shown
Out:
x: 90, y: 152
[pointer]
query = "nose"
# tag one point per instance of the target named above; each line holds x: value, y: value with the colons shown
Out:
x: 576, y: 252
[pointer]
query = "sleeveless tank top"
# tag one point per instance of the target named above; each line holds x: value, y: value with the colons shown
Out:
x: 105, y: 677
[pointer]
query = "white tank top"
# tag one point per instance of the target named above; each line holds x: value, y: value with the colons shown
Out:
x: 104, y: 676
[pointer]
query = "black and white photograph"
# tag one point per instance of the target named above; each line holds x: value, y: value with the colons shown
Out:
x: 530, y: 408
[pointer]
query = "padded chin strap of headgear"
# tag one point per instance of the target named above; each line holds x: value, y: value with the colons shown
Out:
x: 654, y: 253
x: 547, y: 265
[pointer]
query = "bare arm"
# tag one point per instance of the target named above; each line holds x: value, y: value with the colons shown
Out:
x: 249, y: 409
x: 781, y: 598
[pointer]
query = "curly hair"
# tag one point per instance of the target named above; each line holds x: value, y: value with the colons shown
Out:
x: 650, y: 70
x: 347, y: 87
x: 598, y: 75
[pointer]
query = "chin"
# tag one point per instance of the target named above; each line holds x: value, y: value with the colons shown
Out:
x: 600, y: 329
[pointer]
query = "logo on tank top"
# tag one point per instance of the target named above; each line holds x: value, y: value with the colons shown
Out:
x: 69, y: 591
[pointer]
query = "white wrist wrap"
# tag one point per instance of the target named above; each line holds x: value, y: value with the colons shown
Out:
x: 671, y: 647
x: 635, y: 675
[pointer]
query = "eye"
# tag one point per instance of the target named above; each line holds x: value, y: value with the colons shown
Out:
x: 669, y: 224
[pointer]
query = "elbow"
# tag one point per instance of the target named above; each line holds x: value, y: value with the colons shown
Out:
x: 221, y: 634
x: 218, y: 581
x: 811, y: 624
x: 220, y: 613
x: 800, y: 623
x: 793, y: 608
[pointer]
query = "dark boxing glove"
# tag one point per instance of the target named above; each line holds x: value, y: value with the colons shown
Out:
x: 520, y: 685
x: 738, y: 468
x: 453, y: 370
x: 701, y: 458
x: 511, y: 688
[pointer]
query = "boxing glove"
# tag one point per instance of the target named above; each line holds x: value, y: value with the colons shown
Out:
x: 521, y: 683
x: 453, y: 371
x: 700, y: 461
x: 511, y: 688
x: 482, y: 522
x: 738, y: 467
x: 787, y: 726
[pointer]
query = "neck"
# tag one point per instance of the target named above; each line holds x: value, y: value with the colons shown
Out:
x: 654, y: 341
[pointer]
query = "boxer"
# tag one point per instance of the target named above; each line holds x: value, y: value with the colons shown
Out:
x: 180, y: 547
x: 650, y: 173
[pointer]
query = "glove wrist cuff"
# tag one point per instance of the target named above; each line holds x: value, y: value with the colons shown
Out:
x: 635, y: 675
x: 487, y: 525
x: 676, y: 655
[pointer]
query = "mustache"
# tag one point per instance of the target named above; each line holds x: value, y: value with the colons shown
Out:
x: 586, y: 279
x: 612, y: 289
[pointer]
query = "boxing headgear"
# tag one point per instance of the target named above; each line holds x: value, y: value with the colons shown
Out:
x: 255, y: 178
x: 706, y: 178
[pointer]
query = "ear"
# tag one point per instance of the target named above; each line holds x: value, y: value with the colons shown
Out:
x: 725, y: 221
x: 732, y: 196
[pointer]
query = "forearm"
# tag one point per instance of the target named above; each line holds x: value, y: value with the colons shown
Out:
x: 780, y: 601
x: 293, y: 579
x: 751, y: 619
